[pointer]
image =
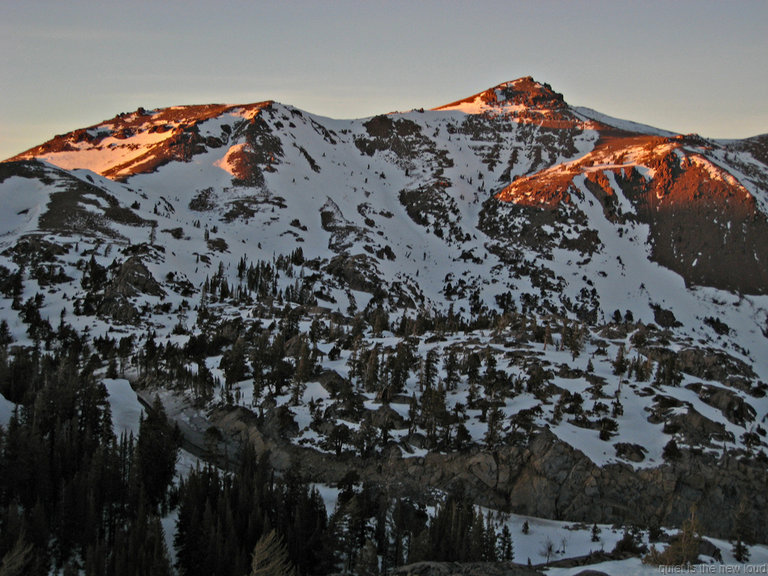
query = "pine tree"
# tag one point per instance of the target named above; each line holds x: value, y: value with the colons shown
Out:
x: 451, y: 371
x: 270, y: 557
x: 5, y: 335
x: 367, y: 563
x: 156, y: 453
x: 681, y: 552
x: 491, y: 378
x: 433, y: 412
x: 16, y: 561
x: 370, y: 374
x: 506, y: 546
x: 493, y: 434
x: 595, y: 533
x: 667, y: 372
x: 743, y: 534
x: 620, y: 362
x: 740, y: 551
x: 428, y: 370
x: 477, y: 538
x: 671, y: 451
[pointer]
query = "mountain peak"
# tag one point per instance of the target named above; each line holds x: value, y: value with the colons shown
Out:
x: 529, y: 92
x: 140, y: 141
x: 513, y: 96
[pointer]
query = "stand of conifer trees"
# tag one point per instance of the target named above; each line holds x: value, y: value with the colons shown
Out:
x: 223, y: 515
x: 73, y: 496
x: 75, y: 499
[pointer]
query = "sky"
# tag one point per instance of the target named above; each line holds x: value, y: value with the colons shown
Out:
x: 683, y: 65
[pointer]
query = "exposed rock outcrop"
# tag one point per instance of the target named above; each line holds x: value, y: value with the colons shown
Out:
x: 132, y: 278
x: 549, y: 478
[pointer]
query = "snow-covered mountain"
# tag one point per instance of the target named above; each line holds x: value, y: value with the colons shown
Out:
x: 608, y: 282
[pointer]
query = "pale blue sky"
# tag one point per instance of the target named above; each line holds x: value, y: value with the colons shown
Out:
x: 687, y: 66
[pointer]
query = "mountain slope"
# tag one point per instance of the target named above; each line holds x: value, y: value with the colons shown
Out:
x: 601, y: 286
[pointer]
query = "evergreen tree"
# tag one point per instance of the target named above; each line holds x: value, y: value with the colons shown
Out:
x: 16, y: 561
x: 451, y: 371
x: 156, y: 453
x: 667, y: 372
x: 233, y: 363
x: 428, y: 370
x: 595, y: 533
x: 64, y: 467
x: 400, y: 365
x: 671, y: 451
x: 620, y: 362
x: 506, y: 551
x: 743, y: 533
x: 222, y: 517
x: 304, y: 363
x: 5, y: 335
x: 433, y: 414
x: 493, y: 435
x: 270, y: 557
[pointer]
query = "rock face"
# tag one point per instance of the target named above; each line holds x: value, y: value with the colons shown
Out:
x: 132, y: 278
x: 175, y: 136
x: 701, y: 219
x: 553, y: 480
x: 732, y: 406
x: 548, y: 478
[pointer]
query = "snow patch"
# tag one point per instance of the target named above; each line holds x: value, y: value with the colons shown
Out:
x: 125, y: 406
